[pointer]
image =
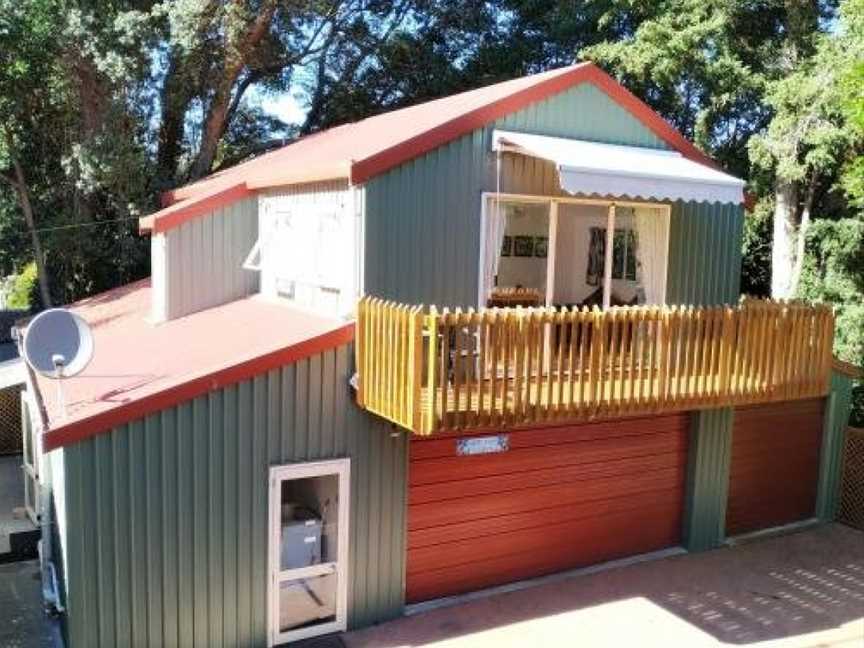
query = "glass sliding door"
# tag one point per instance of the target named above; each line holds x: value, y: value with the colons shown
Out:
x: 516, y: 253
x: 552, y: 251
x: 308, y: 549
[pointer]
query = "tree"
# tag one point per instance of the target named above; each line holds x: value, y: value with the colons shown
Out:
x: 26, y: 56
x: 803, y: 149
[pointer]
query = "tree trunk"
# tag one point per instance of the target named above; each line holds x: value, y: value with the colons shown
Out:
x: 801, y: 244
x: 214, y: 126
x: 236, y: 57
x: 783, y: 245
x: 176, y: 96
x: 27, y: 208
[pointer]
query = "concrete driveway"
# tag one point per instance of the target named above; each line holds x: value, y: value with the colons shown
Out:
x: 801, y: 589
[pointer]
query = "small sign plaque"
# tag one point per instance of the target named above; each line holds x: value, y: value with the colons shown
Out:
x: 483, y: 445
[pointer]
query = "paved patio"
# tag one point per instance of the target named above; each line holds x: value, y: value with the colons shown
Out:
x: 801, y: 589
x: 23, y: 620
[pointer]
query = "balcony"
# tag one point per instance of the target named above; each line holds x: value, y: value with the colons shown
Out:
x: 432, y: 371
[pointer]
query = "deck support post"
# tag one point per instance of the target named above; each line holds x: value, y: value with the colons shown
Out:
x: 708, y: 479
x: 837, y: 407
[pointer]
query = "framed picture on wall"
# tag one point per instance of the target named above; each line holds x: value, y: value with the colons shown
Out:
x: 507, y: 246
x: 541, y: 246
x: 523, y: 246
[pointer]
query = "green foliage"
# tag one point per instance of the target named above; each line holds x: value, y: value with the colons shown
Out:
x: 834, y: 273
x: 852, y: 100
x: 809, y: 136
x: 24, y: 289
x: 756, y: 253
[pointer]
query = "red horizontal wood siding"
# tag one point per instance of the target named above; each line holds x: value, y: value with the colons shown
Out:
x: 559, y: 498
x: 775, y: 465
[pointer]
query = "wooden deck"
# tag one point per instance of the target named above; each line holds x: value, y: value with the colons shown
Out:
x: 430, y: 371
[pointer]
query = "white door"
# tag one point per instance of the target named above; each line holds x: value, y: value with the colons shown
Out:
x: 308, y: 549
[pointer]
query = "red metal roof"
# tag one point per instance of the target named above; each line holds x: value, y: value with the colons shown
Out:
x: 139, y: 368
x: 364, y: 149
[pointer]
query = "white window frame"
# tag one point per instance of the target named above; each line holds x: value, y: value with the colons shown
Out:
x: 488, y: 198
x: 342, y: 469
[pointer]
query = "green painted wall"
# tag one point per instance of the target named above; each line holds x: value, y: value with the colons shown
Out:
x: 705, y: 253
x: 708, y: 478
x: 422, y: 218
x: 167, y: 520
x: 837, y: 410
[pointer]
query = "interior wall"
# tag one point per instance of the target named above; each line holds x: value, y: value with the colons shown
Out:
x: 573, y: 239
x: 528, y: 272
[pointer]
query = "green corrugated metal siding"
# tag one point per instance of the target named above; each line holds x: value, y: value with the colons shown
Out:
x: 705, y: 253
x: 708, y: 478
x: 168, y: 541
x: 831, y: 464
x: 422, y: 218
x: 582, y: 112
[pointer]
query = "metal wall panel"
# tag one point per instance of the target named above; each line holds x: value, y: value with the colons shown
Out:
x: 167, y: 515
x: 708, y: 478
x: 422, y: 218
x: 203, y: 260
x: 332, y: 193
x: 837, y: 410
x: 705, y: 253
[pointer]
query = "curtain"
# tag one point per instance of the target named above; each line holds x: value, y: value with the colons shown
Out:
x: 652, y: 232
x: 496, y: 223
x: 596, y: 256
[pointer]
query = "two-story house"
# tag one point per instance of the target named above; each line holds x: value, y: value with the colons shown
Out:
x: 465, y: 343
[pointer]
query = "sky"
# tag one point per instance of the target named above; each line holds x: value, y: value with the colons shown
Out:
x: 284, y: 106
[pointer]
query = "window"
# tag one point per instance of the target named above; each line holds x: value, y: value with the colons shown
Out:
x: 623, y: 255
x: 308, y: 549
x: 307, y: 256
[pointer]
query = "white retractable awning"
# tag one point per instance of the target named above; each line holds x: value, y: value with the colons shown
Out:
x: 592, y: 168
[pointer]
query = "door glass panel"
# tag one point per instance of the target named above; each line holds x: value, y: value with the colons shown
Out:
x: 307, y: 602
x: 309, y: 521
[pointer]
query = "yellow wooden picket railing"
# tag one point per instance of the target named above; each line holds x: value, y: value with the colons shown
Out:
x: 431, y: 371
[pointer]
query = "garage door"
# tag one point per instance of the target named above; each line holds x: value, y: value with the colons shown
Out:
x: 556, y: 498
x: 775, y: 465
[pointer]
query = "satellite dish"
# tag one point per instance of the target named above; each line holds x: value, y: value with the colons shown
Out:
x: 58, y: 343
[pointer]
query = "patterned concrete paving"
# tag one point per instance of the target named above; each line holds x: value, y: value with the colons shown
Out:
x: 801, y: 589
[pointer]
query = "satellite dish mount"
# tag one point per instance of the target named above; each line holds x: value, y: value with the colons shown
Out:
x: 58, y: 344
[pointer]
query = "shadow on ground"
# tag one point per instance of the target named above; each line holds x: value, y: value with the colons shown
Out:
x: 23, y: 621
x: 769, y: 589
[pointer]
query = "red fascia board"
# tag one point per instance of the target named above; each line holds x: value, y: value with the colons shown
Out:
x: 178, y: 214
x: 652, y: 120
x: 102, y: 422
x: 365, y: 169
